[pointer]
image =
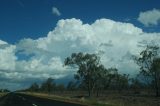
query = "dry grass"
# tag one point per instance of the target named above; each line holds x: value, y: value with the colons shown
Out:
x: 119, y: 100
x: 81, y: 100
x: 2, y: 94
x: 109, y: 100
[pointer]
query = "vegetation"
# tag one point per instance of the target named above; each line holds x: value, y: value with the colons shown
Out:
x: 108, y: 84
x: 149, y: 62
x: 90, y: 71
x: 94, y: 78
x: 4, y: 90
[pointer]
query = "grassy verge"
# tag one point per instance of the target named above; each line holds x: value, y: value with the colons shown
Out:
x: 2, y: 94
x: 109, y: 100
x: 81, y: 101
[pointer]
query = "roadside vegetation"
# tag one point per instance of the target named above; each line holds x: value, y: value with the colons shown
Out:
x: 3, y: 92
x: 96, y: 85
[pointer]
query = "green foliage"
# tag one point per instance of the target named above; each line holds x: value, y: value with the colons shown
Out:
x: 149, y: 62
x: 146, y: 58
x: 48, y: 85
x: 93, y: 75
x: 4, y: 90
x: 60, y: 87
x: 34, y: 87
x: 136, y: 85
x: 90, y: 70
x: 72, y: 86
x: 117, y: 81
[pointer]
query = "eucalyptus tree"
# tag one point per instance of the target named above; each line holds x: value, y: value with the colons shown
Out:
x: 149, y: 62
x: 48, y: 85
x: 89, y: 69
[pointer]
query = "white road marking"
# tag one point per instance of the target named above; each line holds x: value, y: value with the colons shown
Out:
x: 34, y: 104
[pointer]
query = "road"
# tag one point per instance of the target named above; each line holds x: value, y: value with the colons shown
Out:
x: 15, y: 99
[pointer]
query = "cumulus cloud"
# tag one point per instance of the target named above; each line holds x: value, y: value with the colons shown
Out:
x: 2, y: 42
x: 55, y: 11
x: 114, y: 41
x: 151, y: 17
x: 72, y: 35
x: 7, y: 56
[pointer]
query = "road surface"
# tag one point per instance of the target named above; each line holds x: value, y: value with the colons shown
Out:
x: 15, y: 99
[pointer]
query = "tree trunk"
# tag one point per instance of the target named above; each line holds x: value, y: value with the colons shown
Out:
x: 89, y: 92
x: 156, y: 85
x: 97, y: 92
x: 89, y: 89
x: 156, y: 88
x: 89, y: 84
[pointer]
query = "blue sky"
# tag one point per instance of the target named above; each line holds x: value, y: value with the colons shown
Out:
x: 37, y: 35
x: 33, y: 18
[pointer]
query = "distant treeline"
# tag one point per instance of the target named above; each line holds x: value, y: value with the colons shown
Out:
x: 4, y: 90
x: 47, y: 86
x: 116, y: 82
x: 94, y: 78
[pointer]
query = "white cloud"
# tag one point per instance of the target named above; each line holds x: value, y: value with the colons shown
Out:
x: 116, y: 41
x: 55, y: 11
x: 151, y: 17
x: 72, y: 35
x: 2, y: 42
x: 7, y: 56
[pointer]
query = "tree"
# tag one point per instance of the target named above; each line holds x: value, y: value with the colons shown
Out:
x: 4, y: 90
x: 116, y: 80
x: 60, y: 87
x: 105, y: 78
x: 149, y: 65
x: 122, y: 82
x: 48, y: 85
x: 71, y: 86
x: 156, y: 74
x: 136, y: 85
x: 101, y: 76
x: 34, y: 87
x: 89, y: 69
x: 111, y: 79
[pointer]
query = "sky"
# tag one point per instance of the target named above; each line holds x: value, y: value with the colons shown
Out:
x: 37, y: 35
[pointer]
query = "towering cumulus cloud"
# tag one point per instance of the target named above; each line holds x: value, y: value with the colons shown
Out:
x: 114, y: 41
x: 7, y: 56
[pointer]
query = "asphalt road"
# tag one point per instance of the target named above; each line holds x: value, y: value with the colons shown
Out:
x: 15, y: 99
